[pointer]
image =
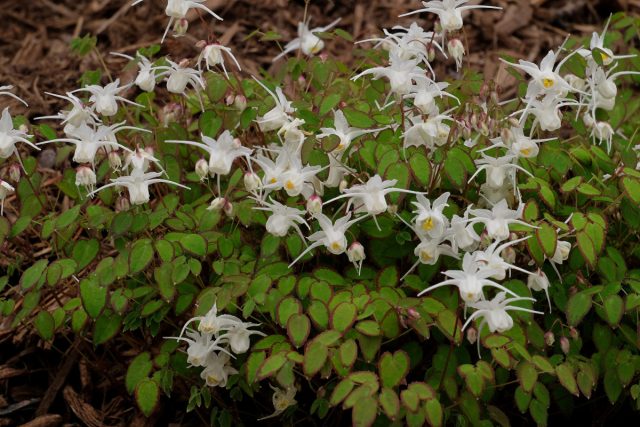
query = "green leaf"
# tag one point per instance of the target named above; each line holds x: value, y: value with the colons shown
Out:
x: 393, y: 368
x: 45, y: 325
x: 84, y: 252
x: 547, y: 238
x: 421, y: 169
x: 400, y: 172
x: 83, y: 45
x: 139, y: 369
x: 588, y: 189
x: 147, y: 396
x: 329, y: 103
x: 287, y: 308
x: 527, y: 375
x: 455, y: 171
x: 631, y: 187
x: 343, y: 316
x: 271, y: 365
x: 571, y: 184
x: 567, y: 379
x: 368, y: 327
x: 434, y: 412
x: 254, y: 362
x: 341, y: 391
x: 535, y: 249
x: 613, y: 309
x: 364, y: 412
x: 140, y: 256
x: 348, y: 352
x: 587, y: 248
x: 298, y: 328
x: 577, y: 307
x: 315, y: 355
x: 358, y: 119
x: 106, y: 327
x: 32, y: 275
x: 389, y: 402
x: 94, y: 296
x: 194, y: 243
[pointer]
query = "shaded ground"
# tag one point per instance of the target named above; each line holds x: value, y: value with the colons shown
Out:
x: 71, y: 382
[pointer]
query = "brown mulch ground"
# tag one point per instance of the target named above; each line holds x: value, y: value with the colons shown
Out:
x: 69, y: 381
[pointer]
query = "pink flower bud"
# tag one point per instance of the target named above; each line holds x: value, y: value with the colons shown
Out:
x: 240, y: 102
x: 202, y: 169
x: 549, y: 338
x: 355, y: 253
x: 314, y: 204
x: 565, y: 345
x: 180, y: 28
x: 573, y: 332
x: 251, y: 181
x: 122, y: 204
x: 228, y: 208
x: 15, y: 172
x: 472, y: 335
x: 85, y: 176
x: 413, y: 314
x: 114, y: 160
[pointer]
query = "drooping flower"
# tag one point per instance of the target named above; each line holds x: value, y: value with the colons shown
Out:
x: 500, y: 171
x: 177, y: 10
x: 281, y: 399
x: 538, y: 281
x: 179, y: 76
x: 10, y: 136
x: 424, y: 94
x: 495, y: 314
x: 278, y: 116
x: 213, y: 54
x: 217, y: 369
x: 79, y: 114
x: 401, y: 74
x: 146, y: 78
x: 5, y: 190
x: 429, y: 221
x: 201, y: 345
x: 356, y: 255
x: 307, y: 41
x: 238, y: 336
x: 492, y: 258
x: 331, y: 236
x: 497, y: 219
x: 212, y: 322
x: 105, y: 98
x: 470, y: 280
x: 449, y: 12
x: 137, y: 184
x: 282, y: 218
x: 345, y: 133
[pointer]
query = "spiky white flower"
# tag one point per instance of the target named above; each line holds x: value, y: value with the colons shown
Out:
x: 105, y: 98
x: 307, y: 41
x: 10, y: 136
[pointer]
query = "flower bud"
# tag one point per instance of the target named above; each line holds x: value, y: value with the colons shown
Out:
x: 114, y: 160
x: 228, y: 100
x: 23, y: 128
x: 392, y: 209
x: 202, y: 169
x: 588, y: 120
x: 507, y: 136
x: 431, y: 53
x: 302, y: 81
x: 171, y: 113
x: 217, y: 204
x: 314, y: 204
x: 413, y: 314
x: 122, y: 204
x: 180, y: 27
x: 549, y: 338
x: 15, y: 172
x: 472, y: 335
x: 355, y: 253
x: 228, y: 208
x: 573, y: 332
x: 456, y: 51
x: 538, y: 281
x: 565, y: 345
x: 85, y: 176
x: 509, y: 255
x: 343, y: 185
x: 251, y: 181
x: 240, y: 102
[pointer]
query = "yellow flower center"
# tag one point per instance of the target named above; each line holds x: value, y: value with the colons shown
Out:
x: 213, y: 379
x: 273, y: 180
x: 547, y: 83
x: 427, y: 224
x: 425, y: 256
x: 604, y: 57
x: 336, y: 246
x: 290, y: 185
x: 525, y: 151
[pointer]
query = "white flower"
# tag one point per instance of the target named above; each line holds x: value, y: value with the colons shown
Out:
x: 597, y: 42
x: 140, y: 159
x: 79, y: 114
x: 464, y: 236
x: 332, y: 235
x: 222, y: 152
x: 212, y: 322
x: 430, y: 222
x: 401, y: 73
x: 177, y: 10
x: 217, y: 204
x: 212, y: 54
x: 200, y: 346
x: 424, y: 95
x: 5, y: 190
x: 105, y: 98
x: 86, y: 177
x: 146, y: 78
x: 291, y: 132
x: 298, y: 180
x: 499, y: 170
x: 314, y: 204
x: 546, y: 79
x: 602, y: 131
x: 449, y: 12
x: 278, y: 116
x: 546, y: 111
x: 10, y: 136
x: 492, y: 258
x: 430, y: 133
x: 495, y: 313
x: 470, y: 280
x: 180, y: 76
x: 4, y: 90
x: 238, y: 336
x: 561, y: 254
x: 539, y: 281
x: 519, y: 145
x: 217, y: 369
x: 89, y: 141
x: 282, y: 218
x: 281, y: 399
x: 356, y: 255
x: 307, y: 41
x: 497, y: 219
x: 456, y: 50
x: 251, y: 181
x: 345, y: 133
x: 137, y: 185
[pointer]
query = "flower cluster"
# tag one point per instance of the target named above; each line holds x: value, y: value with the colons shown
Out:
x: 213, y: 343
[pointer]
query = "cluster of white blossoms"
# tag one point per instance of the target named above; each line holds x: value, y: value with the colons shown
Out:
x: 214, y: 342
x: 281, y: 182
